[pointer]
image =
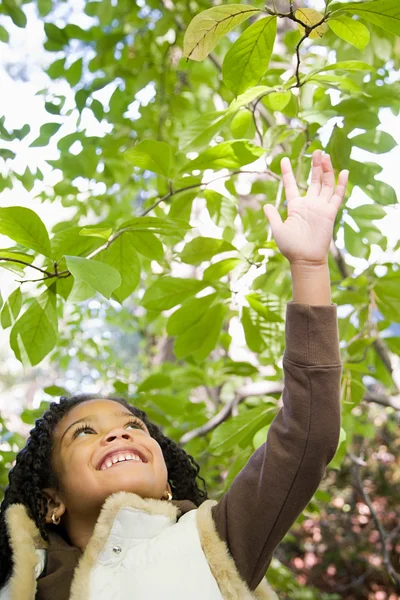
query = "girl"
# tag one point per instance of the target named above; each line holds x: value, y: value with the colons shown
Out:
x: 101, y: 505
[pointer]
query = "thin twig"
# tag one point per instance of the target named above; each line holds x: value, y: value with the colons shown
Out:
x: 382, y: 532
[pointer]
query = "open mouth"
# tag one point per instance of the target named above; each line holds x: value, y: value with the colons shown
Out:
x: 109, y: 463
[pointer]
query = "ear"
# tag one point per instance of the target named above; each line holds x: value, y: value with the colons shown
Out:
x: 169, y: 488
x: 52, y: 501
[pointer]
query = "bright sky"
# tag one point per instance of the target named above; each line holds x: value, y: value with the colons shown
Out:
x: 22, y: 75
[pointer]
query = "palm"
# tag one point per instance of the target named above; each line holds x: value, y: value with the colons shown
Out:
x: 306, y: 234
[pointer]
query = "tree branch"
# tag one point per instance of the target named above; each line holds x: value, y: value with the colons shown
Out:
x: 265, y: 388
x: 383, y: 534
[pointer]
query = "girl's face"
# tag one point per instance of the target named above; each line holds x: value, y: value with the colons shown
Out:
x: 83, y: 439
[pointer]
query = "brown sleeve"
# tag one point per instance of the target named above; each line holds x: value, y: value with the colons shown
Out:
x: 282, y: 475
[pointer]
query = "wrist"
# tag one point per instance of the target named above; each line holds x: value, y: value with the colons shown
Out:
x: 311, y: 283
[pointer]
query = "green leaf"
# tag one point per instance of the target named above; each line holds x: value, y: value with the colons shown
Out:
x: 201, y: 338
x: 97, y: 109
x: 55, y: 390
x: 221, y: 268
x: 101, y: 277
x: 350, y: 30
x: 122, y: 256
x: 55, y: 34
x: 242, y: 125
x: 248, y: 97
x: 204, y: 248
x: 56, y: 69
x: 151, y: 155
x: 278, y: 100
x: 208, y: 27
x: 240, y: 429
x: 382, y: 13
x: 44, y: 7
x: 374, y: 141
x: 379, y: 191
x: 252, y: 333
x: 197, y: 134
x: 24, y: 226
x: 155, y: 381
x: 222, y: 210
x: 367, y: 211
x: 226, y: 155
x: 46, y: 132
x: 353, y: 242
x: 345, y: 65
x: 4, y: 37
x: 5, y: 153
x: 11, y: 308
x: 74, y: 73
x: 157, y: 225
x: 34, y: 335
x: 311, y: 17
x: 16, y: 13
x: 248, y: 58
x: 167, y: 292
x: 101, y: 232
x: 188, y: 314
x: 148, y: 245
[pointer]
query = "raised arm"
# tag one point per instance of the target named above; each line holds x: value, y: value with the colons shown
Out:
x: 281, y: 477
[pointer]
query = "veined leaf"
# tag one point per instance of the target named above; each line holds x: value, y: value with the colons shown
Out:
x: 157, y: 225
x: 34, y: 335
x: 248, y: 58
x: 197, y: 134
x: 11, y: 308
x: 376, y: 141
x: 227, y: 154
x: 188, y: 314
x: 208, y: 27
x: 311, y: 17
x: 122, y: 256
x: 221, y: 268
x: 350, y: 30
x: 152, y: 155
x: 382, y: 13
x: 201, y: 338
x: 204, y: 248
x: 241, y: 428
x: 167, y: 292
x: 24, y: 226
x: 147, y: 244
x: 102, y: 277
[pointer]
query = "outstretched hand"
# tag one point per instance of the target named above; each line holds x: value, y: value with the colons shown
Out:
x: 306, y: 234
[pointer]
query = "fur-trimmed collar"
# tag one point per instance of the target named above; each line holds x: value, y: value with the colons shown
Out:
x: 27, y: 544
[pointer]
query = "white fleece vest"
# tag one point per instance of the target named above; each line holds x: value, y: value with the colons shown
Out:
x: 139, y: 550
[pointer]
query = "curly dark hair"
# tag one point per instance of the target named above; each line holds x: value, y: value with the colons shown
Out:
x: 33, y: 471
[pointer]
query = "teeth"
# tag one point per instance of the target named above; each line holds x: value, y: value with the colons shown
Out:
x: 119, y: 458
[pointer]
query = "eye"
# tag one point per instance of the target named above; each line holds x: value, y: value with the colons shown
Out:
x: 86, y: 427
x: 136, y: 424
x: 80, y: 430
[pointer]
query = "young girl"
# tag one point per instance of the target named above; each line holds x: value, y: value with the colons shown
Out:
x: 101, y: 505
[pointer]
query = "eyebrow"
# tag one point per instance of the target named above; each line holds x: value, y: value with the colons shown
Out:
x: 96, y: 418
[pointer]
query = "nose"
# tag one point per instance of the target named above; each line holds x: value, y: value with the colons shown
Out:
x: 117, y: 433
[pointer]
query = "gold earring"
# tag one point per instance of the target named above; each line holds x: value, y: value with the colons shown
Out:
x: 169, y: 497
x: 53, y: 518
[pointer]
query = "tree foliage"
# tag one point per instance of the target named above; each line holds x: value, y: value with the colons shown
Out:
x: 233, y: 88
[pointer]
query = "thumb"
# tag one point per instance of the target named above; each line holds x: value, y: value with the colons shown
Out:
x: 273, y: 217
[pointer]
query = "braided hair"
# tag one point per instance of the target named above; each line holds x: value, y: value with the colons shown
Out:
x: 33, y: 471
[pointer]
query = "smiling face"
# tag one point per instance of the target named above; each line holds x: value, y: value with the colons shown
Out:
x: 82, y: 440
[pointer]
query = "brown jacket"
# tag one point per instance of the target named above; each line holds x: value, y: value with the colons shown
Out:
x: 281, y: 477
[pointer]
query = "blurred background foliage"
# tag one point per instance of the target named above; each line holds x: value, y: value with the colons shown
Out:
x: 163, y: 283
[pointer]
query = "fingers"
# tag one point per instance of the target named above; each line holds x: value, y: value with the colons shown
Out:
x: 289, y: 181
x: 340, y: 192
x: 316, y: 173
x: 328, y: 179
